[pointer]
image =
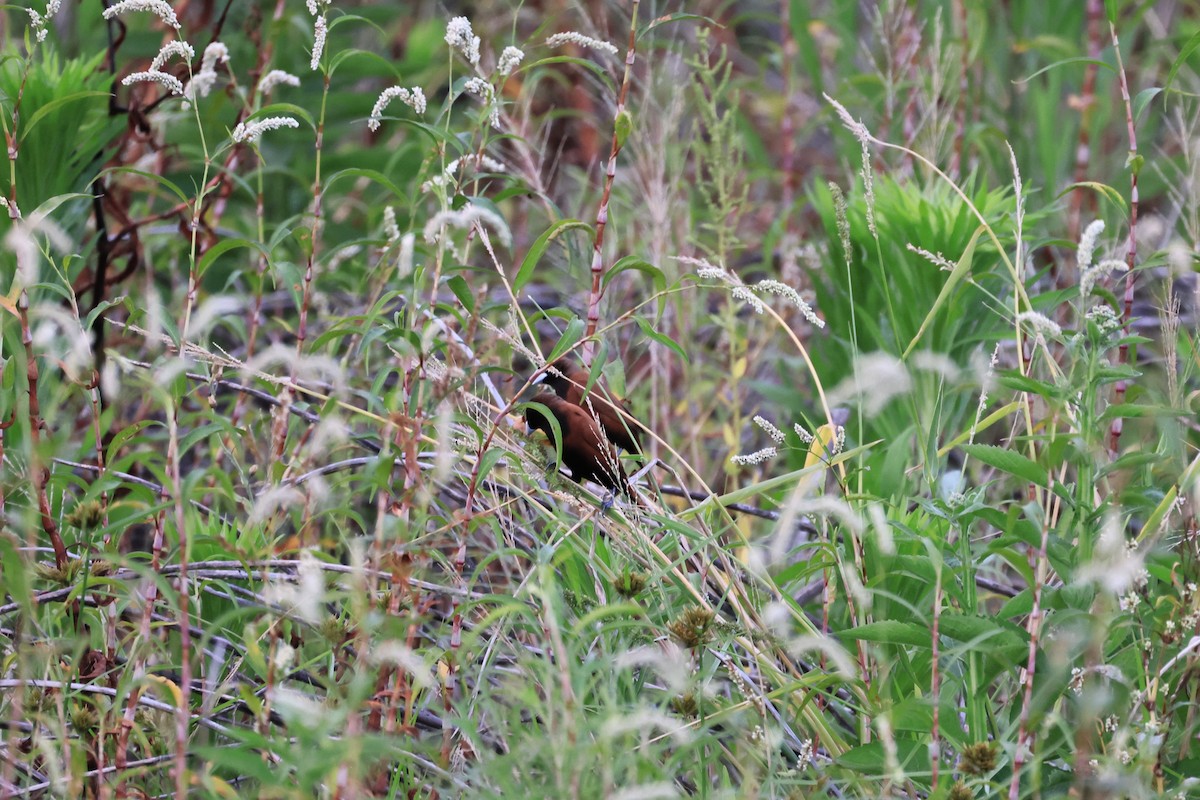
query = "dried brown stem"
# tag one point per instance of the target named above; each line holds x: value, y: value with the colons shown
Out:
x: 39, y: 474
x: 1114, y: 431
x: 620, y: 120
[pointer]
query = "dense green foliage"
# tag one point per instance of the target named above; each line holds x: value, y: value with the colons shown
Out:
x: 916, y: 512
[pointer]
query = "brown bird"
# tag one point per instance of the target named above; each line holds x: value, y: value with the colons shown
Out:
x: 585, y: 450
x: 570, y: 381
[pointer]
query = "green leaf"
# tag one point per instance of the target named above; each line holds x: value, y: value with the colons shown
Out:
x: 370, y: 174
x: 555, y: 439
x: 1009, y: 461
x: 224, y: 246
x: 570, y: 337
x: 1185, y: 53
x: 54, y: 105
x: 984, y: 633
x: 175, y: 190
x: 1024, y: 383
x: 1143, y: 99
x: 656, y: 275
x: 891, y: 631
x: 16, y: 575
x: 525, y: 272
x: 494, y: 454
x: 678, y: 16
x: 100, y: 309
x: 961, y: 269
x: 283, y: 110
x: 1103, y: 189
x: 660, y: 337
x: 623, y: 127
x: 458, y: 285
x: 1137, y: 411
x: 1065, y: 62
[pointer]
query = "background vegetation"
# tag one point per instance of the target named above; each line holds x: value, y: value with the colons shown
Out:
x: 904, y: 292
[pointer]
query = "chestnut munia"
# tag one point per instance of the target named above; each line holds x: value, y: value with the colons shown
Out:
x: 586, y: 452
x: 570, y: 381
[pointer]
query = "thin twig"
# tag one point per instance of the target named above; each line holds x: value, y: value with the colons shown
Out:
x: 620, y: 121
x: 1114, y: 431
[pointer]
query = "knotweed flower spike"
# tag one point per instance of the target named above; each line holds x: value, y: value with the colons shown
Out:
x: 460, y: 37
x: 178, y: 48
x: 320, y: 31
x: 805, y: 436
x: 510, y: 59
x: 771, y: 286
x: 757, y: 457
x: 484, y: 91
x: 1040, y: 323
x: 466, y: 217
x: 480, y: 161
x: 167, y: 81
x: 251, y: 131
x: 276, y: 77
x: 414, y: 98
x: 571, y: 37
x: 39, y: 21
x: 748, y: 297
x: 202, y: 82
x: 159, y: 8
x: 390, y: 228
x: 1087, y: 244
x: 1091, y: 275
x: 768, y: 428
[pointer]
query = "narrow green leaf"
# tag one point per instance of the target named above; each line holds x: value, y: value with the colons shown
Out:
x: 660, y: 337
x: 100, y: 309
x: 370, y: 174
x: 656, y: 275
x: 224, y: 246
x: 961, y: 269
x: 1103, y: 189
x: 53, y: 106
x: 891, y: 631
x: 458, y: 285
x: 1066, y: 62
x: 175, y: 190
x: 1009, y: 461
x: 678, y: 16
x: 525, y: 271
x: 1143, y: 99
x: 1185, y: 53
x: 492, y: 456
x: 570, y: 337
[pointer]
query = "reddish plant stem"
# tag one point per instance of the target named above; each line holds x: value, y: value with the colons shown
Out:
x: 619, y: 120
x: 1114, y: 431
x: 1034, y: 625
x: 1083, y: 149
x: 318, y: 219
x: 39, y: 474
